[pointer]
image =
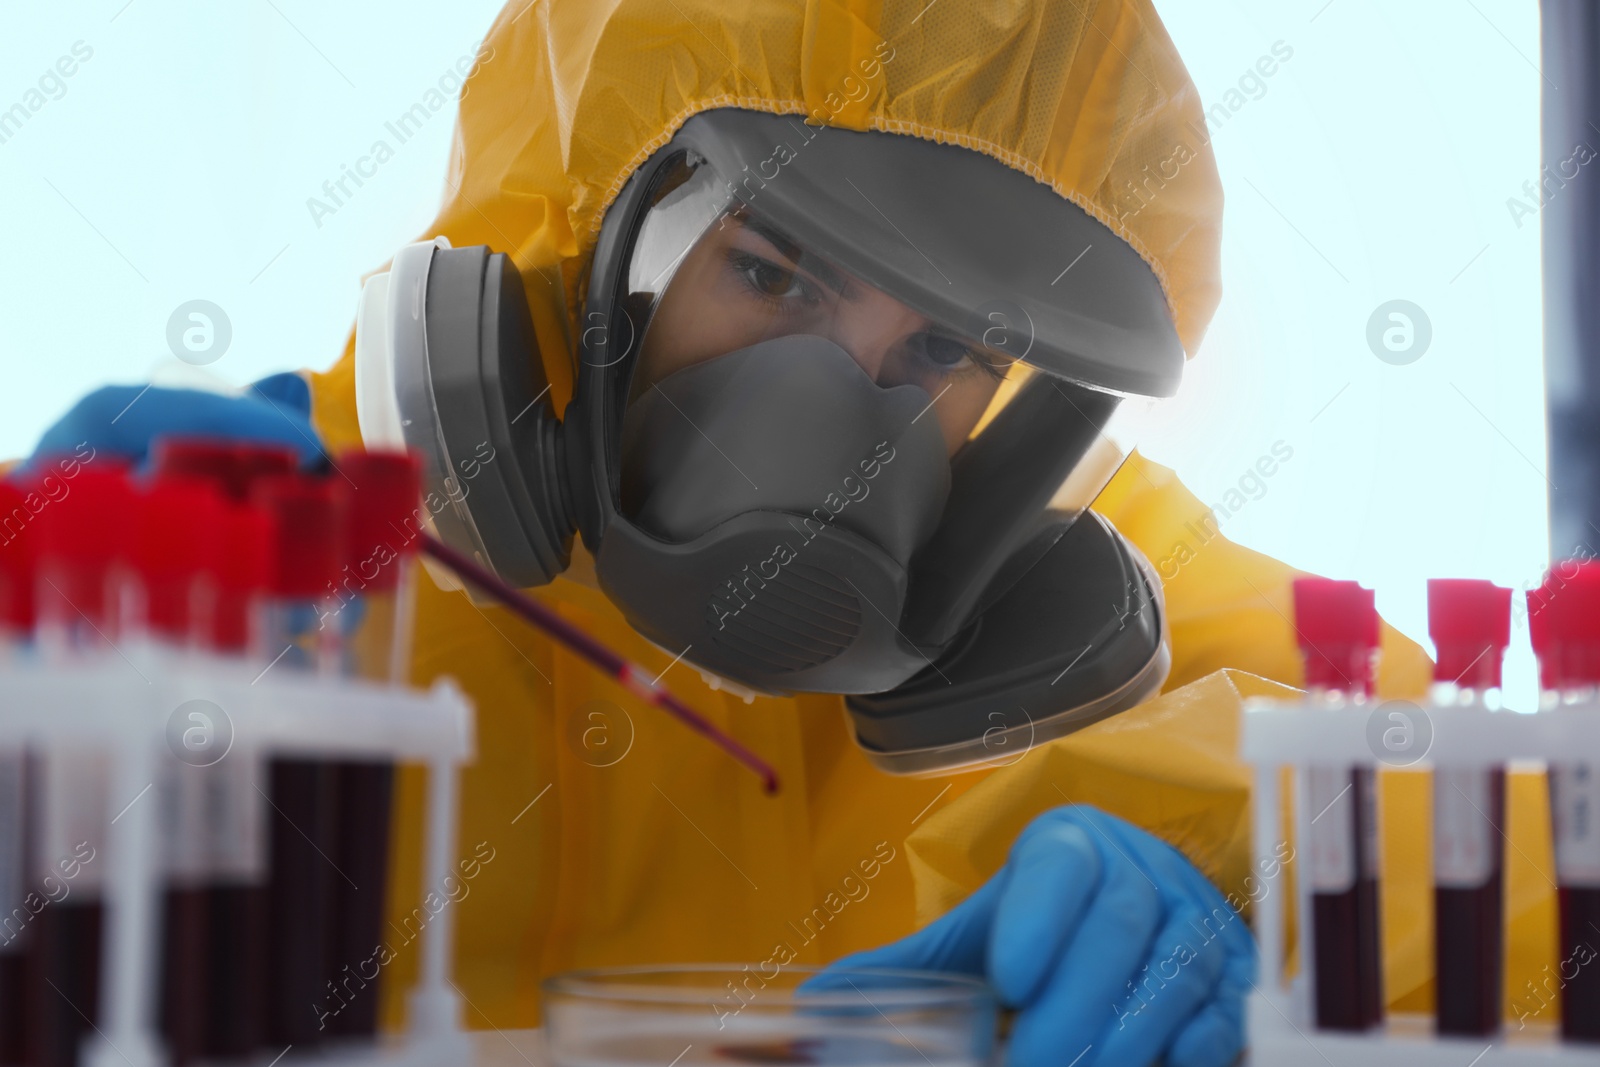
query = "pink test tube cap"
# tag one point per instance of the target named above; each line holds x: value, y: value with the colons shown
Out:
x: 1469, y: 620
x: 1564, y: 623
x: 1336, y: 625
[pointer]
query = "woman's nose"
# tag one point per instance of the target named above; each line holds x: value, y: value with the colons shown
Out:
x: 869, y: 325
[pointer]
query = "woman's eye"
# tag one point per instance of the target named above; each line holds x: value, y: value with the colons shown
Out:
x: 942, y: 351
x: 771, y: 280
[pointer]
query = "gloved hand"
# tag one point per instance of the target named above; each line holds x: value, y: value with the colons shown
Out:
x: 123, y: 419
x: 1113, y: 948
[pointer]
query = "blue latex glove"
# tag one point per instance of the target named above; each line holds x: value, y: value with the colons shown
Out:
x: 123, y: 419
x: 1112, y: 947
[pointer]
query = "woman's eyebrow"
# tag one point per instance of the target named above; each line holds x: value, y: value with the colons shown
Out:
x: 797, y: 255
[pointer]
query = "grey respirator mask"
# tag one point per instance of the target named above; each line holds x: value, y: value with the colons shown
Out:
x: 842, y: 402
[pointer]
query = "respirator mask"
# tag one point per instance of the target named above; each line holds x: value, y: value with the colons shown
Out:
x: 843, y: 399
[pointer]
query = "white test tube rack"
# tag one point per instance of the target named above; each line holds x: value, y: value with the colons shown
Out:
x: 1279, y: 734
x: 121, y: 704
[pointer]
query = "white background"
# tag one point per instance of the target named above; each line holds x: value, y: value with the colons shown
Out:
x: 1376, y: 164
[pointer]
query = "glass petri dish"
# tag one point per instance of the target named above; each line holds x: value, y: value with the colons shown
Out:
x: 728, y: 1015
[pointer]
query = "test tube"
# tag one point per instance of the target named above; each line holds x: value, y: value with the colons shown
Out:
x: 302, y: 625
x: 1337, y: 626
x: 1564, y: 622
x: 236, y: 904
x: 16, y: 632
x: 1470, y: 623
x: 82, y: 576
x: 377, y: 590
x: 176, y: 544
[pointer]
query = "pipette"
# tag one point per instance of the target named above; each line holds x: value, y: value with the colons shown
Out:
x: 632, y: 676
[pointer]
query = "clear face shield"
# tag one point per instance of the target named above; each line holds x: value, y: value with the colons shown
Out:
x: 767, y: 376
x: 710, y: 275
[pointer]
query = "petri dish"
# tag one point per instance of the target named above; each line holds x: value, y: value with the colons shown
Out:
x: 739, y: 1015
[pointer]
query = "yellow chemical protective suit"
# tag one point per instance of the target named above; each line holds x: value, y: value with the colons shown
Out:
x: 604, y: 833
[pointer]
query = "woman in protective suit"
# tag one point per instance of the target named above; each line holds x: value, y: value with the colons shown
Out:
x: 935, y: 231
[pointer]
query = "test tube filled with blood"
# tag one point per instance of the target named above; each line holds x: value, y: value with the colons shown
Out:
x: 1470, y: 623
x: 1564, y: 622
x: 1337, y: 626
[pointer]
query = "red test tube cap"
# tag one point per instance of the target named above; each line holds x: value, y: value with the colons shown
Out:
x: 177, y: 528
x: 258, y: 459
x: 175, y: 541
x: 1336, y: 625
x: 82, y: 521
x: 233, y: 465
x: 17, y: 575
x: 1469, y: 620
x: 81, y: 525
x: 211, y: 458
x: 310, y: 514
x: 385, y: 505
x: 248, y: 548
x: 1564, y: 623
x: 244, y: 569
